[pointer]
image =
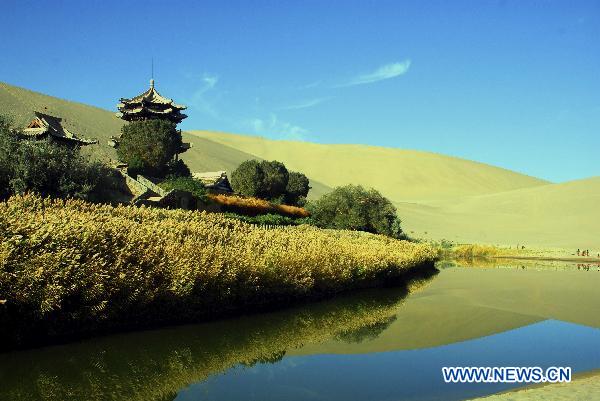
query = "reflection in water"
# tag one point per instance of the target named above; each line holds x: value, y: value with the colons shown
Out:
x: 155, y: 365
x: 523, y: 264
x: 405, y: 375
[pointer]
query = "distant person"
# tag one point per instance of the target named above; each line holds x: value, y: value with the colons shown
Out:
x: 577, y: 252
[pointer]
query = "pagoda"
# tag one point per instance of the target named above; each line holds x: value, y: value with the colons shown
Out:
x: 150, y: 105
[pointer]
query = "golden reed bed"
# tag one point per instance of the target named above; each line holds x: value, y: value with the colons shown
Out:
x: 71, y: 267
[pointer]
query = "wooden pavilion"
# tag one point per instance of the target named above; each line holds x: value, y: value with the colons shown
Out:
x: 45, y: 126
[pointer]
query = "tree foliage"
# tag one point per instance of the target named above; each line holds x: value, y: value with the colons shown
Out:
x: 189, y: 184
x: 149, y: 147
x: 248, y: 179
x: 48, y: 168
x: 270, y: 180
x: 276, y: 179
x: 297, y: 188
x: 353, y: 207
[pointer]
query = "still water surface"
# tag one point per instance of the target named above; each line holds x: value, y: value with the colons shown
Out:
x: 373, y: 345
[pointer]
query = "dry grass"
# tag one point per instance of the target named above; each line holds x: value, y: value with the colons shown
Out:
x: 71, y: 267
x: 471, y: 251
x: 255, y: 206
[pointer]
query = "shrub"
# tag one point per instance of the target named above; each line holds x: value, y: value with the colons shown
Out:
x: 297, y: 189
x: 49, y: 169
x: 248, y: 179
x: 8, y: 149
x: 148, y: 147
x: 189, y: 184
x: 275, y: 181
x: 270, y: 180
x: 354, y: 208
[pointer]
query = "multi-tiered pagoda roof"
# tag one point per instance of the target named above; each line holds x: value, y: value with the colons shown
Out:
x: 150, y: 105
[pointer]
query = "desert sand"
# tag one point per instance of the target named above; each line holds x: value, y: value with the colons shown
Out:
x: 437, y: 196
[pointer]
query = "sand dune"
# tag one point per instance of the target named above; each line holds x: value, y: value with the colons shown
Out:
x: 437, y: 196
x: 93, y: 122
x: 401, y: 175
x: 555, y: 215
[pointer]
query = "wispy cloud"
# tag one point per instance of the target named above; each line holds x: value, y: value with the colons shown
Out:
x: 310, y: 85
x: 305, y: 104
x: 210, y: 80
x: 274, y: 127
x: 199, y: 99
x: 384, y: 72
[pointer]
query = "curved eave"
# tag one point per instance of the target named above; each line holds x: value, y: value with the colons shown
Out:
x: 146, y: 110
x: 151, y: 95
x: 148, y: 103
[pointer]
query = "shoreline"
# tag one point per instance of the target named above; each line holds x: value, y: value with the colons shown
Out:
x: 550, y: 258
x: 583, y: 385
x: 73, y: 269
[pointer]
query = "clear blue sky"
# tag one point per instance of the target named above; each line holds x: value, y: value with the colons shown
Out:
x: 510, y: 83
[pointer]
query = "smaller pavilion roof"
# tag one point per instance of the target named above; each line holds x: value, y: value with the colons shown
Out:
x: 45, y: 124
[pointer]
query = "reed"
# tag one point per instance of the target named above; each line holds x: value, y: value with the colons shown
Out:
x: 68, y: 267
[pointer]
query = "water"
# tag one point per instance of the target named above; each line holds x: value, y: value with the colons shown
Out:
x: 405, y: 375
x: 377, y: 345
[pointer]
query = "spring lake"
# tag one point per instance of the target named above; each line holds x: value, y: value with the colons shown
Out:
x: 380, y: 344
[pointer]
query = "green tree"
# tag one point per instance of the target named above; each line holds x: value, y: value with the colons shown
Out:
x: 48, y: 168
x: 276, y: 179
x: 8, y: 146
x: 270, y: 180
x: 149, y: 147
x: 297, y: 189
x: 353, y: 207
x: 248, y: 179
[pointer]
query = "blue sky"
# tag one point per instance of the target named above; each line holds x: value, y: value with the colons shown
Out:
x: 511, y: 83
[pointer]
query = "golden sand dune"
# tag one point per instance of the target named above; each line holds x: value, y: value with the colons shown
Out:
x: 401, y: 175
x: 437, y: 196
x: 84, y: 120
x: 209, y: 155
x: 554, y: 215
x: 96, y: 123
x: 445, y: 197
